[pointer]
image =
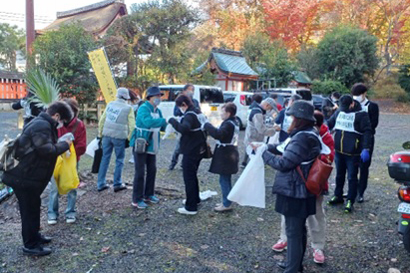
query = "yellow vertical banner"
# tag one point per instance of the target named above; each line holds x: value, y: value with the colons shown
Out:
x: 102, y: 70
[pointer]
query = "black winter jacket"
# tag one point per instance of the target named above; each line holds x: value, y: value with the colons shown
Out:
x: 226, y: 157
x: 373, y: 111
x: 193, y: 140
x: 303, y: 147
x: 352, y: 143
x: 327, y: 107
x: 36, y: 167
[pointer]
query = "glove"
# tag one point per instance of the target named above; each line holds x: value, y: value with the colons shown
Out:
x: 365, y: 156
x: 168, y: 118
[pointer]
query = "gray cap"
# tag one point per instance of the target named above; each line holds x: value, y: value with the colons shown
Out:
x: 302, y: 109
x: 271, y: 102
x: 123, y: 93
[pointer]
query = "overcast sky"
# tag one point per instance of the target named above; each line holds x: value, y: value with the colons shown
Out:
x: 44, y: 10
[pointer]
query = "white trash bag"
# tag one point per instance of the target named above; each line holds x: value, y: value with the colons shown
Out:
x: 169, y: 130
x: 92, y: 147
x: 249, y: 190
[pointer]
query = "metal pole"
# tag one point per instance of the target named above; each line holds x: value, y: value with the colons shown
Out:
x: 30, y: 34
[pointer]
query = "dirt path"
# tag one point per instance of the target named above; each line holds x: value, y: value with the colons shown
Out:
x: 110, y: 236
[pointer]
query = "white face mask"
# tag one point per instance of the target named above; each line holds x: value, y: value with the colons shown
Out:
x: 182, y: 110
x: 359, y: 98
x: 60, y: 124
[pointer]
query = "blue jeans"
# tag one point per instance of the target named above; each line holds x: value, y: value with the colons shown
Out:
x: 349, y: 164
x: 53, y: 202
x: 108, y: 145
x: 226, y: 186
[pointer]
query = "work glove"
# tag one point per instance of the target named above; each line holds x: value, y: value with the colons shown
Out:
x: 365, y: 155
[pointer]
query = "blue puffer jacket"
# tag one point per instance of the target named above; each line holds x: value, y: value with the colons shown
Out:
x: 303, y: 147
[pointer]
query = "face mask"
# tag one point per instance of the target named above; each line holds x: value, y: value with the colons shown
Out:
x: 358, y: 98
x: 60, y: 124
x: 157, y: 101
x: 182, y: 110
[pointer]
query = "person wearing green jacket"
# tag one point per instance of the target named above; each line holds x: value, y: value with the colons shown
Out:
x: 149, y: 123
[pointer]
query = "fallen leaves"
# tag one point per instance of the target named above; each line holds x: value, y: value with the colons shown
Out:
x: 105, y: 249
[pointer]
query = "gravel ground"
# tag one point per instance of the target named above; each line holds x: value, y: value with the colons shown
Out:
x: 110, y: 236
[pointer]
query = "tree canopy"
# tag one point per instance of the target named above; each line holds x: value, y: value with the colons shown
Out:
x: 348, y: 55
x: 11, y: 40
x: 63, y: 54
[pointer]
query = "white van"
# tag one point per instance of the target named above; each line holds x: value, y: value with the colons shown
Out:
x: 305, y: 93
x: 242, y: 101
x: 210, y: 99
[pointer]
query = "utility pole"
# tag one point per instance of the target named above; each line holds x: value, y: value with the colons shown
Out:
x: 30, y: 34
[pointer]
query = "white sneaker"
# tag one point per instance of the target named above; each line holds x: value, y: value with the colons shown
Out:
x: 187, y: 212
x: 131, y: 160
x: 70, y: 220
x: 222, y: 208
x: 52, y: 221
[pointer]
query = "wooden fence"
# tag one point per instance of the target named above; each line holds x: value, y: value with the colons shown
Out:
x: 12, y: 89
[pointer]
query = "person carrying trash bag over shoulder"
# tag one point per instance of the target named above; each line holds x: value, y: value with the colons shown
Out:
x: 77, y: 128
x: 38, y: 151
x: 352, y: 145
x: 145, y: 143
x: 226, y: 156
x: 193, y: 147
x: 292, y: 197
x: 116, y: 127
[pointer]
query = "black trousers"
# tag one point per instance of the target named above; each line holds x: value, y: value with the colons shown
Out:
x: 30, y: 205
x: 297, y: 240
x: 144, y: 182
x: 190, y: 165
x: 175, y: 155
x: 364, y: 171
x: 349, y: 164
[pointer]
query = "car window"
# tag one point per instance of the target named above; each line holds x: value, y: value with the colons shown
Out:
x: 229, y: 97
x: 170, y: 94
x: 248, y: 100
x: 305, y: 94
x: 211, y: 95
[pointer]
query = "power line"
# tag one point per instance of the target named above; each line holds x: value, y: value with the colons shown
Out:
x: 22, y: 21
x: 17, y: 18
x: 23, y: 15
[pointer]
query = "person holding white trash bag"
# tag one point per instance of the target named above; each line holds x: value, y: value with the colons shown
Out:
x: 226, y: 156
x: 194, y: 148
x: 293, y: 199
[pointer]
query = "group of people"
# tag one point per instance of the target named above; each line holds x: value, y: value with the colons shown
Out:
x: 353, y: 120
x: 120, y: 124
x: 297, y: 135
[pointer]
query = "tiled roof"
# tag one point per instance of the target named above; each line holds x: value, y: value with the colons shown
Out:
x: 11, y: 75
x: 229, y: 61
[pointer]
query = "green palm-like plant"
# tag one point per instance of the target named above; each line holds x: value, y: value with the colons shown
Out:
x: 44, y: 87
